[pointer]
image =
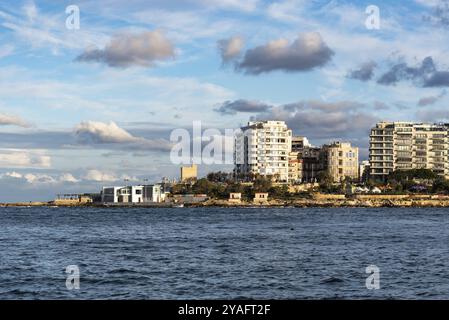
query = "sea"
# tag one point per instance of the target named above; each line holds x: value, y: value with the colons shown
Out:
x: 224, y: 253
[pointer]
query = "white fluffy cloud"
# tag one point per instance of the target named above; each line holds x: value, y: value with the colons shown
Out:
x: 100, y: 176
x: 40, y: 178
x: 100, y: 132
x: 6, y: 119
x: 15, y: 158
x: 68, y: 177
x: 94, y: 132
x: 97, y: 175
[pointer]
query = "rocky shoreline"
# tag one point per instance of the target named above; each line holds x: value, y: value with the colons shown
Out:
x: 318, y: 200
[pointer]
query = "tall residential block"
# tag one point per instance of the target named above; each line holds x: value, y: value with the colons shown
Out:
x: 263, y: 147
x: 406, y: 146
x: 341, y: 161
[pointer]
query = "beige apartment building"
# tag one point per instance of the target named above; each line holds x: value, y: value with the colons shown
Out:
x: 294, y: 167
x: 341, y: 161
x: 406, y: 146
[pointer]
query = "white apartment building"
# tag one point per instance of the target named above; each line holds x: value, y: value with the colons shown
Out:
x: 406, y: 146
x: 263, y: 147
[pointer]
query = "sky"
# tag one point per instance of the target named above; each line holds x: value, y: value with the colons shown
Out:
x: 91, y: 106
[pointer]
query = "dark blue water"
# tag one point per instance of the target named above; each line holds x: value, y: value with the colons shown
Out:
x: 223, y: 253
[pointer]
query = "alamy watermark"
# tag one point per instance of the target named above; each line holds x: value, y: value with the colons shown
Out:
x: 73, y: 277
x: 372, y: 22
x: 198, y: 146
x: 72, y: 21
x: 373, y: 280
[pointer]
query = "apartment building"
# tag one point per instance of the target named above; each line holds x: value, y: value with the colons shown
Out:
x: 313, y: 163
x: 263, y: 147
x: 341, y: 161
x: 406, y: 146
x: 295, y: 167
x: 299, y: 143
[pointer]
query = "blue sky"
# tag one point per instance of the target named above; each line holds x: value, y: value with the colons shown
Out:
x: 83, y: 108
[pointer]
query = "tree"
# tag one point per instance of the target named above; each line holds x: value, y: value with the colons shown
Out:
x: 220, y: 176
x: 203, y: 186
x: 279, y: 192
x: 401, y: 176
x: 181, y: 188
x: 325, y: 180
x: 262, y: 184
x: 440, y: 185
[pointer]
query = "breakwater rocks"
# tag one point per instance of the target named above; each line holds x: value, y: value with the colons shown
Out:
x: 314, y: 200
x: 340, y: 200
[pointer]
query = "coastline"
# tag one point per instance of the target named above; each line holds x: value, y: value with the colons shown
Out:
x: 318, y: 200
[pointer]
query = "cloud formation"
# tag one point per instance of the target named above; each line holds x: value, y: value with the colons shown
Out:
x: 365, y: 71
x: 440, y: 12
x: 100, y: 132
x: 94, y: 133
x: 426, y: 101
x: 126, y: 50
x: 433, y: 115
x: 97, y: 175
x: 248, y: 106
x: 379, y: 105
x: 40, y: 178
x: 239, y: 5
x: 6, y: 120
x: 324, y: 121
x: 307, y: 52
x: 423, y: 75
x: 230, y: 48
x: 16, y: 158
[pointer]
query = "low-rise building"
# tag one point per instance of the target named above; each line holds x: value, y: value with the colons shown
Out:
x: 132, y: 194
x: 235, y: 197
x: 260, y: 198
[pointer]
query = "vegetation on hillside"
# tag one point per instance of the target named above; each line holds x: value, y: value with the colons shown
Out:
x: 220, y: 184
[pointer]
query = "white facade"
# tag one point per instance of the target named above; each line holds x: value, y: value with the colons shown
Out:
x: 132, y: 194
x: 153, y: 193
x: 262, y: 148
